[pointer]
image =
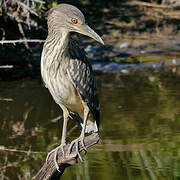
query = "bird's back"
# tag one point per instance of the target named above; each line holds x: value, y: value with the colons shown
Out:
x: 83, y: 79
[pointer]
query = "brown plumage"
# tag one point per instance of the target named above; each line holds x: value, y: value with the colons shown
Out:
x: 66, y: 71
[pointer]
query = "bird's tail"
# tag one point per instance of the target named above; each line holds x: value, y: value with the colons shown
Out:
x: 91, y: 126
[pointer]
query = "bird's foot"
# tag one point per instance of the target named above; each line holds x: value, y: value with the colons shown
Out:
x: 55, y: 151
x: 76, y: 143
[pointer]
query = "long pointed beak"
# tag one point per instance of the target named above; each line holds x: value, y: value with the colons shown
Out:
x: 86, y: 30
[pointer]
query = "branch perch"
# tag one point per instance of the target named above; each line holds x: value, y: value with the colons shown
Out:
x: 21, y: 41
x: 48, y: 170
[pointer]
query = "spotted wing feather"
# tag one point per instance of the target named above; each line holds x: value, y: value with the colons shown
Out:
x: 82, y: 77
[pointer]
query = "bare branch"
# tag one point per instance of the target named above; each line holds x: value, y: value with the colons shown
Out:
x: 27, y: 7
x: 56, y: 119
x: 6, y: 67
x: 3, y: 148
x: 5, y: 99
x: 150, y: 4
x: 21, y: 41
x: 39, y: 1
x: 23, y: 34
x: 48, y: 170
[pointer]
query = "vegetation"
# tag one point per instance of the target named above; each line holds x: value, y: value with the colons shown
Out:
x: 23, y: 28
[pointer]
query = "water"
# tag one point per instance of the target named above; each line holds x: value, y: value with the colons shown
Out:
x: 140, y: 128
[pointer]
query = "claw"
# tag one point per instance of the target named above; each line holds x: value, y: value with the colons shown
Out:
x: 55, y: 155
x: 83, y: 145
x: 77, y: 150
x: 76, y: 143
x: 55, y: 160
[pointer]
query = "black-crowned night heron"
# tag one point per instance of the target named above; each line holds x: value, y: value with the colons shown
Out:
x: 67, y: 73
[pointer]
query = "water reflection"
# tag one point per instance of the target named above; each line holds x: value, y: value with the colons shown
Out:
x: 140, y: 128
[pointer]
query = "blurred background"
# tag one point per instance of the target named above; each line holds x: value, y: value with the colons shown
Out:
x: 138, y: 78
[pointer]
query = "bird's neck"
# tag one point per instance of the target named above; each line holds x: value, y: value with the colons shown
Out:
x: 54, y: 53
x: 58, y: 41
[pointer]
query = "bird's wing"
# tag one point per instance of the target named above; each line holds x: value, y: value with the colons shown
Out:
x: 82, y: 77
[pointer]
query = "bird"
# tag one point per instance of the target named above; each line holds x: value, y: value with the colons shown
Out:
x: 68, y: 74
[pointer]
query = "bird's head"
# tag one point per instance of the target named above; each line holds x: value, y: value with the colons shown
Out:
x: 70, y: 19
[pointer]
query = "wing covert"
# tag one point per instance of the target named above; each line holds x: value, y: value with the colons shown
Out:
x: 82, y: 77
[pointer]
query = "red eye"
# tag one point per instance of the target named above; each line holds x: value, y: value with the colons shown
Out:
x: 74, y: 20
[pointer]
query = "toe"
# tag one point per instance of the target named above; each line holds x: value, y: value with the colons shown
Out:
x: 76, y: 143
x: 77, y: 150
x: 83, y: 145
x: 49, y: 155
x: 55, y: 151
x: 55, y: 159
x: 70, y: 147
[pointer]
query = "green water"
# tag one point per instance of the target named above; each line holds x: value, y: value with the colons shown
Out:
x: 140, y: 128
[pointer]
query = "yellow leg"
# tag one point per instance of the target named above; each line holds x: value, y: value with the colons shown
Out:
x: 64, y: 131
x: 86, y: 114
x: 63, y: 139
x: 82, y: 135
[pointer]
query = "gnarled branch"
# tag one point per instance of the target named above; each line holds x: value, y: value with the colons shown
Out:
x: 48, y: 170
